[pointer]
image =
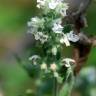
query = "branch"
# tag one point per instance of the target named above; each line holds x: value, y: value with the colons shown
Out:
x: 81, y: 50
x: 87, y: 41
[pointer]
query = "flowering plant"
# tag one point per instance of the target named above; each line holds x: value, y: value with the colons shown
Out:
x: 50, y: 36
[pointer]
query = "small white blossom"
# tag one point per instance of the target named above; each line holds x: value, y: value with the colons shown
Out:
x: 62, y: 8
x: 67, y: 62
x: 63, y: 12
x: 57, y: 5
x: 44, y: 39
x: 40, y: 36
x: 34, y: 59
x: 57, y: 28
x: 36, y: 22
x: 54, y: 50
x: 53, y: 4
x: 33, y: 22
x: 43, y: 66
x: 34, y: 19
x: 65, y: 40
x: 72, y: 37
x: 40, y: 3
x: 37, y: 37
x: 38, y: 6
x: 53, y: 67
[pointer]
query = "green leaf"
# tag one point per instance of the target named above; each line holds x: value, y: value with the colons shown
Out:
x: 65, y: 90
x: 60, y: 79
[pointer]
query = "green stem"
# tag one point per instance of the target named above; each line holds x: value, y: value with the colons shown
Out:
x: 71, y: 83
x: 55, y: 91
x: 68, y: 85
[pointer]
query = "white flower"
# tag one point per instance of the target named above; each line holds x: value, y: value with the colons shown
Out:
x: 34, y: 19
x: 38, y: 6
x: 53, y: 67
x: 57, y: 28
x: 40, y: 36
x: 37, y: 37
x: 67, y: 62
x: 72, y: 37
x: 53, y: 4
x: 63, y: 12
x: 65, y: 40
x: 54, y: 50
x: 44, y: 66
x: 56, y: 74
x: 63, y: 9
x: 44, y: 39
x: 34, y: 59
x: 40, y: 3
x: 36, y: 22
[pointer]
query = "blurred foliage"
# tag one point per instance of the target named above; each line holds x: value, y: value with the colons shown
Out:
x: 15, y: 14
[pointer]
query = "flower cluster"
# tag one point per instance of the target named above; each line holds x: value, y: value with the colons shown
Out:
x: 57, y: 5
x: 49, y: 33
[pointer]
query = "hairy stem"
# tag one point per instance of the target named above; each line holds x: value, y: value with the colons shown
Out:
x: 55, y: 89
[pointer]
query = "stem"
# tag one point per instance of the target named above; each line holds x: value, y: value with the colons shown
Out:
x: 55, y: 87
x: 66, y: 90
x: 72, y: 83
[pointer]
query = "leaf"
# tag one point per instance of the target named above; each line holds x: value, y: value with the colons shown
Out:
x: 60, y: 79
x: 65, y: 90
x: 67, y: 86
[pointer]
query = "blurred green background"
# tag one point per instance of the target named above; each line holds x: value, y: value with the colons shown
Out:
x: 14, y: 15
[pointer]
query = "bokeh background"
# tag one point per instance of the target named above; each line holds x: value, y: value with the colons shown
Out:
x: 14, y: 78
